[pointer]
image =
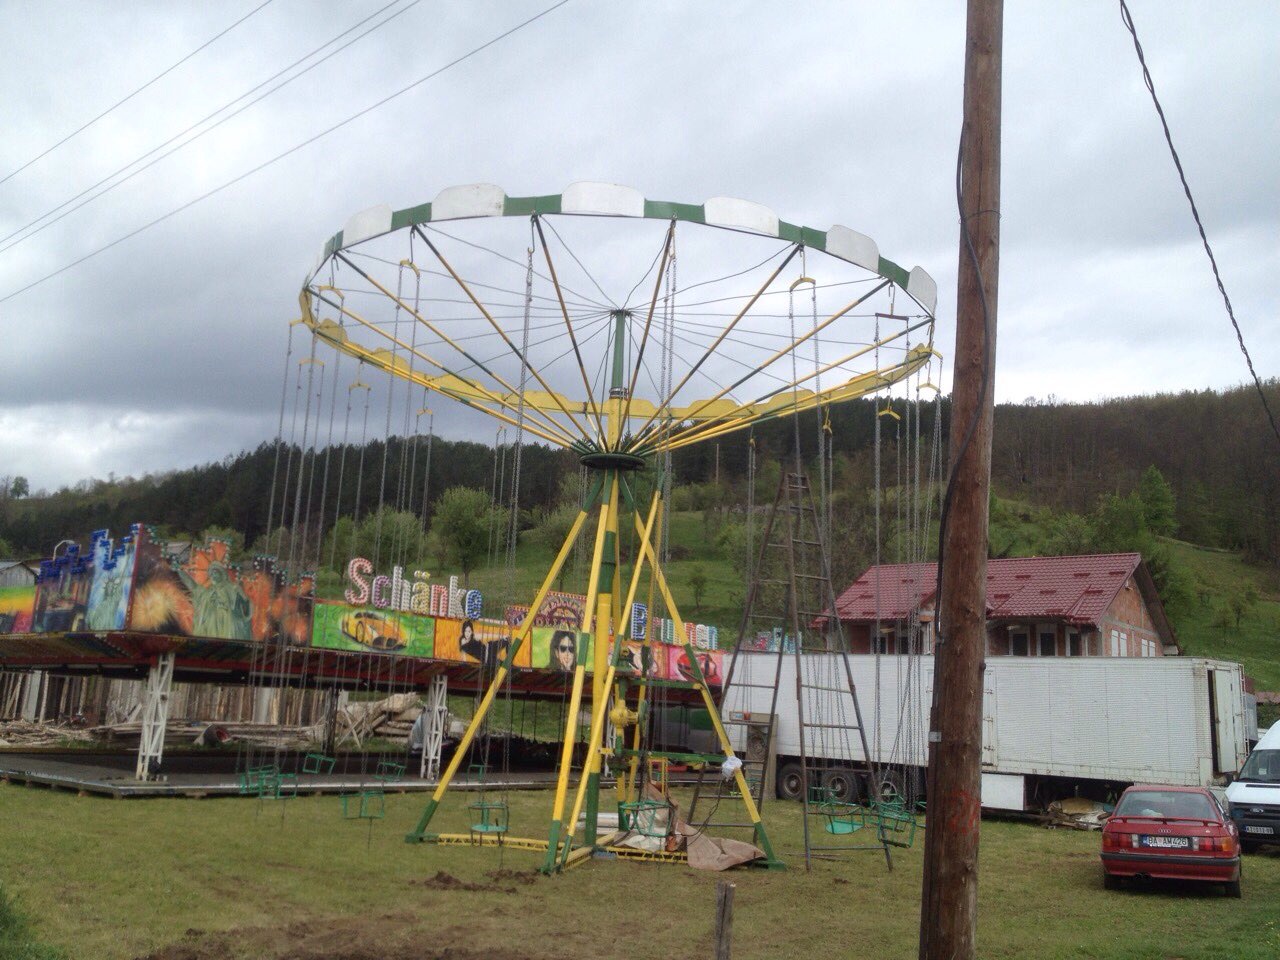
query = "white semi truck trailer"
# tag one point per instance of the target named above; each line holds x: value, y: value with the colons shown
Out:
x: 1051, y: 727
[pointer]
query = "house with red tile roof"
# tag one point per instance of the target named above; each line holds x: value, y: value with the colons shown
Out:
x: 1100, y: 605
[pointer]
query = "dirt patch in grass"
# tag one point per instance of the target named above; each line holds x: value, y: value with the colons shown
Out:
x: 447, y: 881
x: 397, y: 936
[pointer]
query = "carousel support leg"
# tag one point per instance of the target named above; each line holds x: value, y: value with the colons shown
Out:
x: 418, y: 835
x: 155, y: 716
x: 562, y: 779
x: 437, y: 721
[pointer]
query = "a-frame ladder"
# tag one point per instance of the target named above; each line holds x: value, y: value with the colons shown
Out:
x: 791, y: 592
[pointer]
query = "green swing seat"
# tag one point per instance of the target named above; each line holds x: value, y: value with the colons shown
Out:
x: 641, y: 816
x: 253, y: 780
x: 843, y: 816
x: 318, y: 763
x: 389, y: 772
x: 492, y: 817
x: 895, y: 822
x: 268, y: 783
x: 280, y: 786
x: 364, y: 805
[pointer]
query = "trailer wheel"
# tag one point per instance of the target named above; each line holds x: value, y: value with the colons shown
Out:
x: 790, y: 781
x: 893, y: 785
x: 841, y: 784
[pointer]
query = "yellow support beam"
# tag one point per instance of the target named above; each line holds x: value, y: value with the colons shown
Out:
x: 525, y: 629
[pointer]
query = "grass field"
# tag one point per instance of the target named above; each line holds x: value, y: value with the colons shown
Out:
x: 197, y: 879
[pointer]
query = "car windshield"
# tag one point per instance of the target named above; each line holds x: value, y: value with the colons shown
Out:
x: 1263, y: 766
x: 1174, y: 804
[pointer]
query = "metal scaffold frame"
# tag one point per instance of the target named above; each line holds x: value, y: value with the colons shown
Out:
x: 155, y: 716
x: 436, y: 725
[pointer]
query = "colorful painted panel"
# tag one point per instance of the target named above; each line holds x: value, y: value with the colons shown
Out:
x: 17, y: 605
x: 337, y: 626
x: 475, y: 641
x: 711, y: 663
x: 557, y: 610
x: 62, y: 592
x: 207, y: 596
x: 560, y: 650
x: 112, y: 585
x: 636, y: 656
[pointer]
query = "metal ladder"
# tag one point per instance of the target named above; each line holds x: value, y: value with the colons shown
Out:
x: 802, y: 598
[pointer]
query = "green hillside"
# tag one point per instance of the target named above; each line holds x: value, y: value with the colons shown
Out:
x: 1207, y: 625
x: 1220, y: 606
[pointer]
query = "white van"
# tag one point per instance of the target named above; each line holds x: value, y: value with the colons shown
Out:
x: 1255, y: 793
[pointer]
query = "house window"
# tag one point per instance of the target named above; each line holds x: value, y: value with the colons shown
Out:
x: 1019, y: 643
x: 1115, y: 643
x: 1075, y: 646
x: 1048, y: 642
x: 884, y: 643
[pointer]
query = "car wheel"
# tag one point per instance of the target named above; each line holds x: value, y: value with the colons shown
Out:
x: 1110, y: 881
x: 1233, y: 889
x: 790, y: 781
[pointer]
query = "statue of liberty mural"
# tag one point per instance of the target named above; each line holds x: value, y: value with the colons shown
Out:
x: 107, y: 600
x: 220, y: 606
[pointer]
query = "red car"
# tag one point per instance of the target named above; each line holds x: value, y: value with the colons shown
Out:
x: 1176, y: 833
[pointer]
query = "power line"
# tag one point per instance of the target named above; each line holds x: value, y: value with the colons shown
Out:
x: 209, y: 129
x: 1127, y: 17
x: 280, y: 156
x: 125, y: 100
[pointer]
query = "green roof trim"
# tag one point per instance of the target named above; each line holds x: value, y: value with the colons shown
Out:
x: 664, y: 210
x: 891, y: 271
x: 410, y: 216
x: 528, y: 206
x: 653, y: 210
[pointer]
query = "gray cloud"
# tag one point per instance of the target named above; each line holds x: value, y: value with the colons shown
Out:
x: 167, y: 350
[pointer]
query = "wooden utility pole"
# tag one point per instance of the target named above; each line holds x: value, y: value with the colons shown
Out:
x: 949, y: 901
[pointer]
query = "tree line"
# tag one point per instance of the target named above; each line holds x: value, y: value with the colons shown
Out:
x: 1212, y: 450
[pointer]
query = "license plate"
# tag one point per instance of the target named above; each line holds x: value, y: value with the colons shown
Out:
x: 1266, y: 831
x: 1171, y: 843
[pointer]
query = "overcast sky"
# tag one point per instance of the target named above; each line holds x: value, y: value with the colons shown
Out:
x: 166, y: 350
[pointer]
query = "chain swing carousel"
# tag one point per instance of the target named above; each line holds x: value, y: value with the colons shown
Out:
x: 562, y: 317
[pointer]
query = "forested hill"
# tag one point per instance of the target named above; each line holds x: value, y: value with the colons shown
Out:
x: 1215, y: 449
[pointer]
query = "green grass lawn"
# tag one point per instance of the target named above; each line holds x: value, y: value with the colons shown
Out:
x: 101, y: 878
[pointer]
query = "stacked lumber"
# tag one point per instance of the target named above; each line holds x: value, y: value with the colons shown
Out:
x: 187, y: 732
x: 25, y: 733
x: 390, y: 719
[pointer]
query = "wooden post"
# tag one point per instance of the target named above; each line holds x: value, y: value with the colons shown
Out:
x: 724, y: 919
x: 949, y: 901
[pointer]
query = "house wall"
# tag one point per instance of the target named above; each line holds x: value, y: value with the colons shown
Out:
x: 1127, y: 624
x: 16, y: 576
x: 1095, y: 643
x: 859, y: 637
